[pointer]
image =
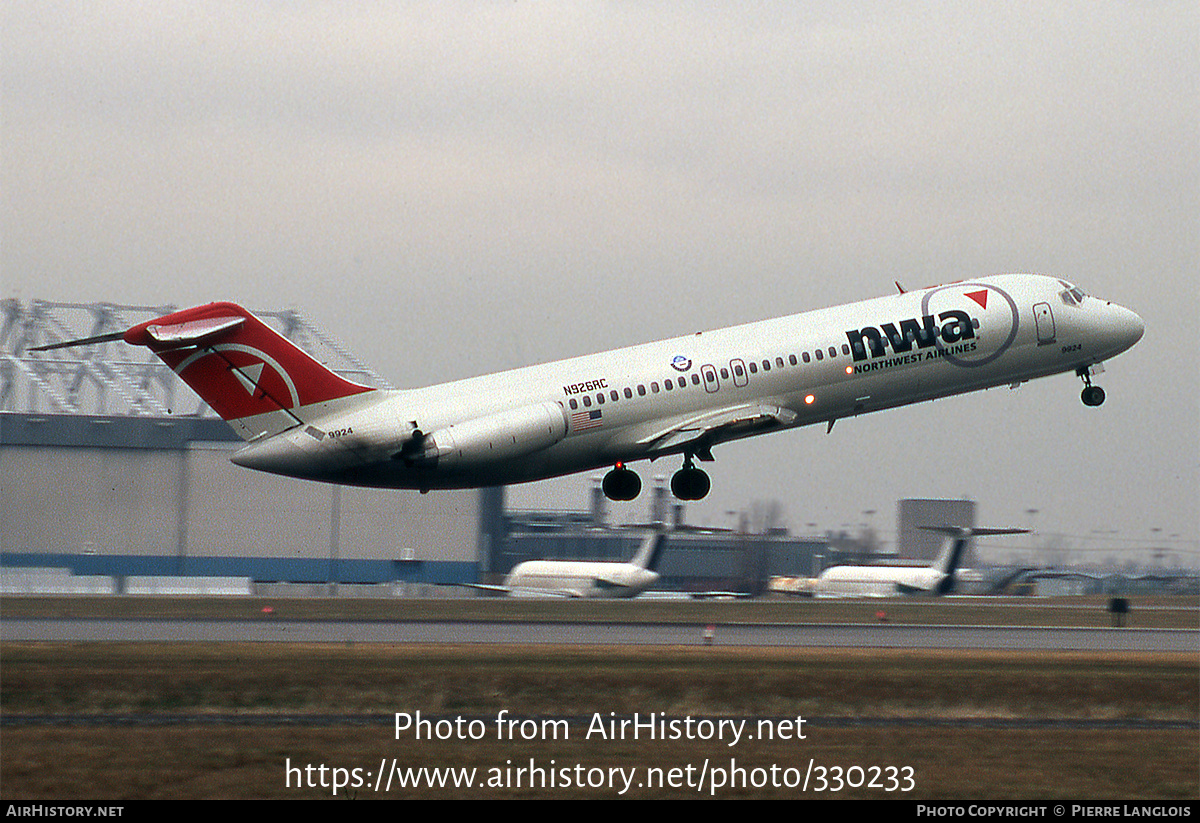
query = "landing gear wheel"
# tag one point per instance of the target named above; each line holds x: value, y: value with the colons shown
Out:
x: 621, y: 484
x: 1092, y: 395
x: 690, y: 483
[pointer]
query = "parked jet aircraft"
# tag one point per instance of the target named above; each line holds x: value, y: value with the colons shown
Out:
x: 583, y: 578
x: 681, y: 396
x: 889, y: 581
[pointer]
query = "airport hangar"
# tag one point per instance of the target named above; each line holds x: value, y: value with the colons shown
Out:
x: 138, y: 497
x: 110, y: 466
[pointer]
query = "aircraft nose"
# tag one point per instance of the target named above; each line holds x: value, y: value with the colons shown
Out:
x: 1123, y: 327
x: 1132, y: 328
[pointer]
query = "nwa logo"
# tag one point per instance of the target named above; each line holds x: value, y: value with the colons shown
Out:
x: 950, y: 336
x: 908, y: 334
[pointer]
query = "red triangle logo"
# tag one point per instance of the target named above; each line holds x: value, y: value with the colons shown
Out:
x: 979, y: 297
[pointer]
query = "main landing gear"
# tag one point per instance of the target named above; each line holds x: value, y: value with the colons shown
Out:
x: 1092, y: 395
x: 689, y: 483
x: 621, y: 483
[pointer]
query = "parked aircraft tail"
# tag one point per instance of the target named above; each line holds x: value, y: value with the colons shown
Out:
x: 959, y: 538
x: 650, y: 552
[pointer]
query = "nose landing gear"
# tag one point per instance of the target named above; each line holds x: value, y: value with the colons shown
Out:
x: 1092, y: 395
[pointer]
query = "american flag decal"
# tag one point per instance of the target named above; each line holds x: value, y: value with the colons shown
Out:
x: 584, y: 420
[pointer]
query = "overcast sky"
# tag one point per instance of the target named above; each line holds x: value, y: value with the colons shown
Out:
x: 455, y: 188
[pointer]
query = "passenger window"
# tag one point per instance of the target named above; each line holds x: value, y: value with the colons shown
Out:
x: 753, y: 367
x: 695, y: 380
x: 668, y: 385
x: 724, y: 373
x: 819, y: 355
x: 766, y: 365
x: 628, y: 392
x: 613, y: 394
x: 600, y: 398
x: 832, y: 351
x: 574, y: 403
x: 654, y: 387
x: 779, y: 362
x: 792, y: 359
x: 641, y: 390
x: 845, y: 348
x: 807, y: 357
x: 737, y: 370
x: 587, y: 400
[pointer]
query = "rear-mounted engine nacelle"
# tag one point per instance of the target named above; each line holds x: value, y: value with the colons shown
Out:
x: 505, y: 434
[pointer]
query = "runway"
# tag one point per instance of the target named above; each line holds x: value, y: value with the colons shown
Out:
x: 831, y: 635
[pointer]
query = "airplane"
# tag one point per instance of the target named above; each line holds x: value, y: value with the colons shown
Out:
x: 938, y: 578
x: 583, y: 578
x: 681, y: 396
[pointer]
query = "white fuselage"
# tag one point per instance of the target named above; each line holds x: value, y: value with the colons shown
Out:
x: 578, y: 578
x: 876, y: 581
x: 597, y: 410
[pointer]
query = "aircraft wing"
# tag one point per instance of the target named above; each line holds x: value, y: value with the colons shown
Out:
x: 794, y: 586
x: 484, y: 587
x: 1008, y: 579
x: 1065, y: 574
x: 522, y: 591
x: 704, y: 430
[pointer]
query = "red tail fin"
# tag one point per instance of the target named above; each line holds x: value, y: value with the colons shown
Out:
x: 251, y: 375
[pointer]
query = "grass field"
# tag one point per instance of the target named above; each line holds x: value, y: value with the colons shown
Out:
x: 936, y: 724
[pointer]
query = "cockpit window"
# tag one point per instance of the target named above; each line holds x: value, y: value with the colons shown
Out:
x: 1072, y: 296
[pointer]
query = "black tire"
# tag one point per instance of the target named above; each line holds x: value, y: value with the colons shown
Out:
x: 690, y: 484
x: 621, y: 484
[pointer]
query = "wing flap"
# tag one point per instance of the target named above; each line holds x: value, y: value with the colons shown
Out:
x: 723, y: 424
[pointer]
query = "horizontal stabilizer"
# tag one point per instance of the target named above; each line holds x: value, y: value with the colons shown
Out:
x: 83, y: 341
x: 193, y: 332
x: 965, y: 531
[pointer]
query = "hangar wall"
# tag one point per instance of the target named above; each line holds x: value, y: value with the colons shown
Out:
x: 135, y: 495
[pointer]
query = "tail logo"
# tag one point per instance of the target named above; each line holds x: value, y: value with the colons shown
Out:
x: 249, y: 377
x: 247, y: 364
